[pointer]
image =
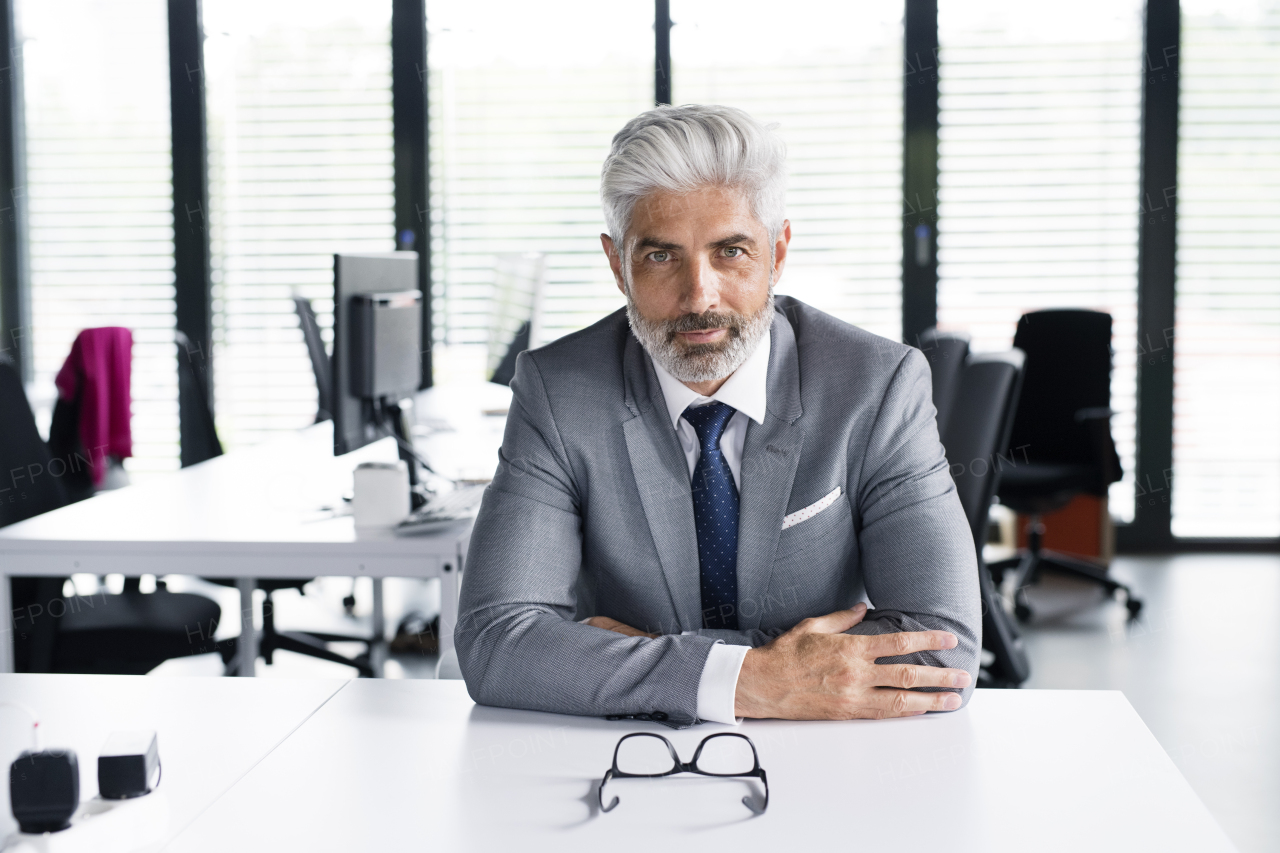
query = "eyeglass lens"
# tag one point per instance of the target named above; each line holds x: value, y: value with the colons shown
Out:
x: 726, y: 755
x: 645, y: 755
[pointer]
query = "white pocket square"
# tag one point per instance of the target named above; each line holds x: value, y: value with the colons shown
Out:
x: 810, y: 511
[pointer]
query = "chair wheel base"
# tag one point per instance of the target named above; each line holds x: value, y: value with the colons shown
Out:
x: 1134, y: 605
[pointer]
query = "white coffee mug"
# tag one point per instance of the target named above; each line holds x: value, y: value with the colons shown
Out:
x: 381, y: 496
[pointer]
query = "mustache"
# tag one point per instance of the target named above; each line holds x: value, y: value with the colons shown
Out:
x: 707, y: 320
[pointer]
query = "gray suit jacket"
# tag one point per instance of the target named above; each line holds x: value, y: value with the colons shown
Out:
x: 590, y: 513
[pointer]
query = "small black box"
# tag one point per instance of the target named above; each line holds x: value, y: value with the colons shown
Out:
x: 128, y: 765
x: 44, y: 790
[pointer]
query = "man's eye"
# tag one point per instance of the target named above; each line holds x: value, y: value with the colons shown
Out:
x: 658, y: 256
x: 732, y: 252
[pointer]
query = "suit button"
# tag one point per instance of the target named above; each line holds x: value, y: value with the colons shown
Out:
x: 660, y: 716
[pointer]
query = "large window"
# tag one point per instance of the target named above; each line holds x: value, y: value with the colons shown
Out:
x: 1039, y: 153
x: 100, y: 197
x: 300, y: 167
x: 524, y: 104
x: 1038, y: 206
x: 830, y: 75
x: 1226, y: 452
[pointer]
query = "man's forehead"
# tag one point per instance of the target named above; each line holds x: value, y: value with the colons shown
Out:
x: 714, y: 213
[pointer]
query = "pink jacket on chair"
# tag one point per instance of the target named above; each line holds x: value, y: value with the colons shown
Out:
x: 98, y: 372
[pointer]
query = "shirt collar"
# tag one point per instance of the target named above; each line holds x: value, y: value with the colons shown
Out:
x: 744, y: 390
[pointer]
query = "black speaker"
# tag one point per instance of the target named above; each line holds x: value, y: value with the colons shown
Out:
x: 44, y: 790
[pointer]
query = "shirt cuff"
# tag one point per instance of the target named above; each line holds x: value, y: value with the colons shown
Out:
x: 719, y: 683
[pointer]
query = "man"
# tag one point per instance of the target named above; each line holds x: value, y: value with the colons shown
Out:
x: 696, y: 495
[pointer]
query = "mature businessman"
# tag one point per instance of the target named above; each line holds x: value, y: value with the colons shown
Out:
x: 697, y: 495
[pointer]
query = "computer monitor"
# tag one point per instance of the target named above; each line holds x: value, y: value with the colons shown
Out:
x: 377, y: 346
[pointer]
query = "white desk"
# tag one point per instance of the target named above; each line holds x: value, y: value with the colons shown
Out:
x: 210, y: 731
x: 407, y: 765
x: 258, y: 513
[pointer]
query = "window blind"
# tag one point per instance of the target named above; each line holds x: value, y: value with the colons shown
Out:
x: 830, y: 75
x: 300, y: 167
x: 99, y: 182
x: 1038, y: 154
x: 1226, y: 452
x: 523, y: 106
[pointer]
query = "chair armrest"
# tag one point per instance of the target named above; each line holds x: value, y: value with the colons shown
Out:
x: 1097, y: 423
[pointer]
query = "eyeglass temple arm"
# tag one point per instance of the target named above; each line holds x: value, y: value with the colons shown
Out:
x: 600, y: 793
x: 759, y: 810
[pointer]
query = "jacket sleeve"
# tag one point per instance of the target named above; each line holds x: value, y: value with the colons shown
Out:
x: 917, y: 553
x: 517, y: 642
x: 754, y: 637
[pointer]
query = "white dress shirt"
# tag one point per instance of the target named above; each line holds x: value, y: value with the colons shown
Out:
x: 745, y: 392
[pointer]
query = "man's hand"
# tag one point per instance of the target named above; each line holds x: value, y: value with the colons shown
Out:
x: 817, y: 672
x: 616, y: 626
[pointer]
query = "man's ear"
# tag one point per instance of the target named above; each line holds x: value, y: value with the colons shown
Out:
x: 615, y: 261
x: 780, y: 250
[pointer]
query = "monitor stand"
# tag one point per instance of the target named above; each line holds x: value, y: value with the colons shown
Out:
x: 404, y: 443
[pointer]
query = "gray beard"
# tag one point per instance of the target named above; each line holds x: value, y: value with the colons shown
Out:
x: 701, y: 362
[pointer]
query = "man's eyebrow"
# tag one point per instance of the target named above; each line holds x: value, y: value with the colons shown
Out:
x: 655, y: 243
x: 731, y: 240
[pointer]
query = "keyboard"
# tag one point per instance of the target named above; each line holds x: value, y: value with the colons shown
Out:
x: 443, y: 510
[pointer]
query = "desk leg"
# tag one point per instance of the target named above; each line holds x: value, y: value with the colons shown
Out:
x: 247, y: 645
x: 378, y: 648
x: 7, y: 662
x: 450, y: 576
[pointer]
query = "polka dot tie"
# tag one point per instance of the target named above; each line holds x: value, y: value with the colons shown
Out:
x: 715, y: 517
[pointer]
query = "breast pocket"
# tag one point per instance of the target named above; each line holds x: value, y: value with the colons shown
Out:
x: 815, y: 529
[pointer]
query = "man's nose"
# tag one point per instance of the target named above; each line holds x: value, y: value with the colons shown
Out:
x: 701, y: 287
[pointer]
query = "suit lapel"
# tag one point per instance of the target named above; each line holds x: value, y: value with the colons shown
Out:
x: 662, y: 477
x: 770, y: 457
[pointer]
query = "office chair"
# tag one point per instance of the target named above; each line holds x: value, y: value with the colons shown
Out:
x: 319, y: 358
x: 946, y: 352
x: 310, y: 643
x: 126, y: 634
x: 199, y: 435
x: 515, y: 322
x: 981, y: 418
x: 1061, y: 443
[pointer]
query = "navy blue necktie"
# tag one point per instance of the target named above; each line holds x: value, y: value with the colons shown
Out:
x: 715, y: 517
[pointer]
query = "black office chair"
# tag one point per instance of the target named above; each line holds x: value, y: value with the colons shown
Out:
x: 319, y: 357
x: 986, y: 396
x: 1061, y: 444
x: 310, y: 643
x: 126, y: 634
x: 946, y: 352
x: 506, y: 369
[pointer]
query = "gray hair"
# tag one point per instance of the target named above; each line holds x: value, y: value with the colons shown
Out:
x: 681, y: 149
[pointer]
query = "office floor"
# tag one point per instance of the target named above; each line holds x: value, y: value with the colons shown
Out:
x: 1202, y: 666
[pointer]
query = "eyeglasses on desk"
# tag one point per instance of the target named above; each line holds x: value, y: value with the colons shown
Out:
x: 649, y: 756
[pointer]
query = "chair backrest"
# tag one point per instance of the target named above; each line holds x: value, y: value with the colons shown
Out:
x: 515, y: 322
x: 1068, y: 370
x: 946, y: 352
x: 199, y: 435
x: 320, y: 365
x: 978, y: 430
x: 32, y: 484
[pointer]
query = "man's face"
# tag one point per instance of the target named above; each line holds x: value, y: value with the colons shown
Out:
x: 700, y: 269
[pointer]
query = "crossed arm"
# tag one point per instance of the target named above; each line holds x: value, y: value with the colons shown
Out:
x: 815, y: 671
